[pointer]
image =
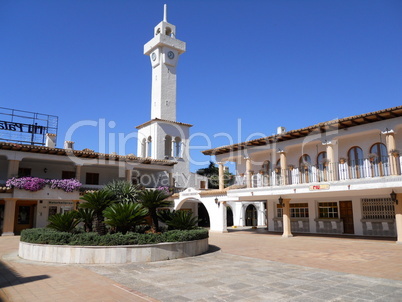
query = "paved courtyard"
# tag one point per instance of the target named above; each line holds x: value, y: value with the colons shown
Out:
x: 241, y: 266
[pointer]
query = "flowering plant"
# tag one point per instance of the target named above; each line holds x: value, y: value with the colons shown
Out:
x: 34, y: 184
x: 166, y: 190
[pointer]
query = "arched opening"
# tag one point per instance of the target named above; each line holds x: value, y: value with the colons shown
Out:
x: 305, y: 168
x: 379, y: 160
x: 203, y: 216
x: 168, y: 146
x: 229, y: 216
x: 149, y: 147
x: 322, y: 164
x: 144, y: 148
x: 168, y: 31
x: 251, y: 216
x: 355, y: 162
x: 177, y: 147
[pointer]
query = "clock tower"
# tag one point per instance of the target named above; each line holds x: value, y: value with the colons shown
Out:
x: 164, y: 51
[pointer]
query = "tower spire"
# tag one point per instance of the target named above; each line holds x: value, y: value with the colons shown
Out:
x: 165, y: 12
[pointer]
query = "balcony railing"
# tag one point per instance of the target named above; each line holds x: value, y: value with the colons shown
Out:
x: 327, y: 172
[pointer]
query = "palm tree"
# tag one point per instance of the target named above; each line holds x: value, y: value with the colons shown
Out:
x: 152, y: 200
x: 98, y: 201
x: 123, y: 191
x: 125, y: 215
x: 65, y: 222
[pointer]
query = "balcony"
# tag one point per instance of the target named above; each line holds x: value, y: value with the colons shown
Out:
x: 328, y: 172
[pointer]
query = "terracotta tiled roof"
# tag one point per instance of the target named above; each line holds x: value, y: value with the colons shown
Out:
x: 343, y: 123
x: 84, y: 154
x: 161, y: 120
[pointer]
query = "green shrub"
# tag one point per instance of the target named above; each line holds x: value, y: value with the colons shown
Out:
x: 49, y: 236
x: 179, y: 220
x: 125, y: 215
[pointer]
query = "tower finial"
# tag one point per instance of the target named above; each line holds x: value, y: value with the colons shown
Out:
x: 165, y: 12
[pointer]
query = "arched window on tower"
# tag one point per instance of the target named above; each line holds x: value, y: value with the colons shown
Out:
x: 168, y: 146
x: 177, y: 147
x: 149, y: 147
x: 144, y: 148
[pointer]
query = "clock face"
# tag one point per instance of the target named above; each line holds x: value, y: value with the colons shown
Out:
x: 170, y: 55
x: 153, y: 56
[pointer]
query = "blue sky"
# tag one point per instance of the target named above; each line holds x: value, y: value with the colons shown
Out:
x: 269, y: 63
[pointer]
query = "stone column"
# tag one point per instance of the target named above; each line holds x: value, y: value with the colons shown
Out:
x: 287, y: 232
x: 398, y: 218
x: 391, y: 146
x: 331, y: 168
x: 129, y: 175
x: 173, y: 146
x: 221, y: 176
x: 13, y: 166
x: 9, y: 216
x: 283, y: 168
x: 249, y: 172
x: 171, y: 180
x: 78, y: 172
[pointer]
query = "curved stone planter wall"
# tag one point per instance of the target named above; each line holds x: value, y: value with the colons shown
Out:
x: 111, y: 254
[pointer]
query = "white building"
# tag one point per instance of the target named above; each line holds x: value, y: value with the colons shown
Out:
x: 332, y: 178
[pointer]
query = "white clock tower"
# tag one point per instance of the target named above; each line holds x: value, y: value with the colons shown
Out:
x: 164, y: 51
x: 163, y: 137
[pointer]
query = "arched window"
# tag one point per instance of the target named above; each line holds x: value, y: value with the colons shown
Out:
x: 266, y: 167
x: 168, y: 146
x: 322, y: 163
x: 379, y: 160
x: 355, y: 161
x: 149, y: 147
x: 304, y: 168
x: 144, y: 148
x: 177, y: 147
x: 322, y: 159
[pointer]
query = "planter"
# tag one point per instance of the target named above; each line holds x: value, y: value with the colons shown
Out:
x: 111, y: 254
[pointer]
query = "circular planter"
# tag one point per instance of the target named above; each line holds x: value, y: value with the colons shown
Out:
x: 111, y: 254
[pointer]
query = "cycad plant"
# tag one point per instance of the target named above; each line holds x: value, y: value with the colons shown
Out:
x: 98, y: 201
x: 123, y: 191
x: 124, y: 216
x: 152, y: 200
x: 182, y: 220
x: 65, y: 222
x: 87, y: 217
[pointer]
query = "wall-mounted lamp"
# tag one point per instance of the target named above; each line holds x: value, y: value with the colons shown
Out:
x: 45, y: 170
x: 280, y: 199
x: 393, y: 197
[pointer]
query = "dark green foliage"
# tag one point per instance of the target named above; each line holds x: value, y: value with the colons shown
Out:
x: 153, y: 199
x: 165, y: 215
x: 65, y: 222
x: 123, y: 191
x: 87, y: 217
x: 123, y: 216
x: 212, y: 172
x: 48, y: 236
x: 182, y: 220
x: 98, y: 201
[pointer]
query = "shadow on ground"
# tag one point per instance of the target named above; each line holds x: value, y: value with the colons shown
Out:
x: 9, y: 277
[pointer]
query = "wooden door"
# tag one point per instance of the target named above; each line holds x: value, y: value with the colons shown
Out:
x: 346, y: 213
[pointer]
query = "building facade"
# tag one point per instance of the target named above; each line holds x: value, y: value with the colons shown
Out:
x: 331, y: 178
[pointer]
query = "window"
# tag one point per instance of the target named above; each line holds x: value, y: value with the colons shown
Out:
x: 92, y: 179
x: 168, y: 146
x: 355, y: 161
x: 67, y: 174
x: 379, y: 160
x: 304, y: 168
x: 22, y: 172
x: 144, y: 148
x: 299, y: 210
x: 266, y: 167
x: 328, y: 209
x: 279, y: 211
x: 177, y: 147
x: 378, y: 208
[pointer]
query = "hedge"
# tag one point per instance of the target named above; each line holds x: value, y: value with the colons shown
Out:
x: 49, y: 236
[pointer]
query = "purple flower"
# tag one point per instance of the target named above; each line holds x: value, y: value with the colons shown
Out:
x: 34, y: 184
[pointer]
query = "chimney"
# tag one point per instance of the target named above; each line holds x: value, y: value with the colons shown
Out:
x: 69, y: 145
x: 280, y: 130
x: 50, y: 140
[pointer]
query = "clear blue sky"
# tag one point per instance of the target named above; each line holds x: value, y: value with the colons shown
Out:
x: 290, y: 63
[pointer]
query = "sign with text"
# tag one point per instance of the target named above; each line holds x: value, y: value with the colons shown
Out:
x: 26, y: 127
x: 319, y: 187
